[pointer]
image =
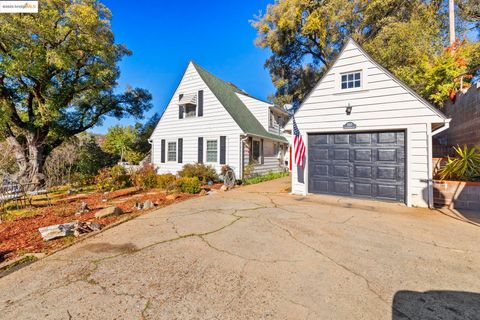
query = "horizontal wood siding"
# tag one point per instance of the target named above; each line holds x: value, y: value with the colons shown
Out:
x: 215, y: 122
x: 258, y: 108
x: 271, y: 161
x: 381, y: 104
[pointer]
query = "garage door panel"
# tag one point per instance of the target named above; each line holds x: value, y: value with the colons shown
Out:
x: 387, y: 191
x: 341, y: 154
x: 341, y: 187
x: 319, y: 154
x: 367, y: 164
x: 363, y: 189
x: 363, y: 138
x: 363, y: 172
x: 342, y: 171
x: 387, y: 155
x: 341, y: 138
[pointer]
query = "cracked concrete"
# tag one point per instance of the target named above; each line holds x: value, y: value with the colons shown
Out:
x: 258, y: 253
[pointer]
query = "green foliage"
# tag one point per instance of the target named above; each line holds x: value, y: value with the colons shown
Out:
x: 166, y: 182
x: 266, y: 177
x: 90, y: 159
x: 58, y: 77
x: 407, y: 37
x: 111, y: 179
x: 465, y: 166
x: 203, y: 172
x: 120, y: 140
x: 249, y: 169
x: 145, y: 178
x: 189, y: 185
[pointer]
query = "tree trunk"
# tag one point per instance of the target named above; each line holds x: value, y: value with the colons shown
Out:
x: 30, y: 158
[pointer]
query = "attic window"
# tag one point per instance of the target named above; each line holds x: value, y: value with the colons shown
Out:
x: 351, y: 80
x: 189, y: 102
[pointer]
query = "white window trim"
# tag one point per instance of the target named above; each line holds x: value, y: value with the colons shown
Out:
x: 176, y: 151
x: 205, y: 153
x: 363, y: 81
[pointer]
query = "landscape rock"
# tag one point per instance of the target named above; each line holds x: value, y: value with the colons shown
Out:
x: 83, y: 208
x: 147, y: 205
x: 109, y: 211
x: 76, y: 228
x: 172, y: 197
x: 57, y: 231
x: 85, y: 227
x: 225, y: 188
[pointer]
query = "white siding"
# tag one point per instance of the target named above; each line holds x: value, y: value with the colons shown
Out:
x: 381, y: 104
x: 260, y: 109
x: 216, y: 122
x: 271, y: 161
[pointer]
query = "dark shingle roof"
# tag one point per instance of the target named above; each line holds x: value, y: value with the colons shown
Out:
x: 226, y: 94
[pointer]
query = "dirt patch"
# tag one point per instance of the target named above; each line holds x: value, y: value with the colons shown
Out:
x: 19, y: 235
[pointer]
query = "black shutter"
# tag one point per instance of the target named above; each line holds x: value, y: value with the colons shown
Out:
x: 162, y: 156
x: 223, y: 150
x: 200, y: 103
x: 180, y: 108
x: 200, y: 150
x: 180, y: 150
x: 262, y: 161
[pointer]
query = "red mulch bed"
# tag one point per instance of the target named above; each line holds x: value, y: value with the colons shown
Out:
x: 21, y: 235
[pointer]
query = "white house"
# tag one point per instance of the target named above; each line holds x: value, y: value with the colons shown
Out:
x: 211, y: 121
x: 367, y: 134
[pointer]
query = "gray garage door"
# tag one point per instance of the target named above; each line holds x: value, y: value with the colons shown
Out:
x: 366, y: 164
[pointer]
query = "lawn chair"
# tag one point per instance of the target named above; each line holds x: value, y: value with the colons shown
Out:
x: 11, y: 191
x: 37, y: 188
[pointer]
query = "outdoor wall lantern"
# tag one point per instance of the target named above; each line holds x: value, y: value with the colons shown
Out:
x: 349, y: 109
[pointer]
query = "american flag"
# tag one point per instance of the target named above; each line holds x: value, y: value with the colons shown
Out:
x: 298, y: 145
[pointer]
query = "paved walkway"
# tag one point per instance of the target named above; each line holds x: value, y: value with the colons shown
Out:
x: 260, y: 253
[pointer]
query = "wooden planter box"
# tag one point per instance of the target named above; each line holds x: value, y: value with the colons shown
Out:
x: 457, y: 194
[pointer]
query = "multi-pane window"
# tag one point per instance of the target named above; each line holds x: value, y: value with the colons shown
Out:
x: 212, y: 151
x: 172, y: 151
x: 351, y: 80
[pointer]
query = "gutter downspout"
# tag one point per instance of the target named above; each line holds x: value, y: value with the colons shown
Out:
x: 150, y: 142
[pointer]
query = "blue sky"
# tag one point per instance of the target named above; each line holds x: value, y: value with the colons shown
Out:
x: 165, y: 35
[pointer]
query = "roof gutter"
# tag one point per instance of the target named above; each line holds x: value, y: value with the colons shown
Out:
x: 445, y: 126
x: 264, y: 137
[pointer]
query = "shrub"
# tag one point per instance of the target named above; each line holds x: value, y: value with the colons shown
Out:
x: 266, y: 177
x: 199, y: 170
x: 189, y: 185
x: 464, y: 166
x: 166, y: 182
x: 111, y: 179
x: 145, y: 178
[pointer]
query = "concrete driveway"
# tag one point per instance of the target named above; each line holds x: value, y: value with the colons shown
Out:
x: 260, y: 253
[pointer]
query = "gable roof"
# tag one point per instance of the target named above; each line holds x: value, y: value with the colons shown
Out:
x: 226, y: 94
x: 378, y: 65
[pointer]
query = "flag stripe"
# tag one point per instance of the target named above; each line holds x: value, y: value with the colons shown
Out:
x: 298, y: 144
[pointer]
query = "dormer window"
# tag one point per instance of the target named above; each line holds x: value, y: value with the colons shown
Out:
x: 189, y: 104
x: 351, y: 80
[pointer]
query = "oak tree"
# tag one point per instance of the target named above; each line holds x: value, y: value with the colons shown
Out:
x: 58, y: 77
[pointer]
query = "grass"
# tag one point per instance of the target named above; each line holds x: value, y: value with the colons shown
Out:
x: 266, y: 177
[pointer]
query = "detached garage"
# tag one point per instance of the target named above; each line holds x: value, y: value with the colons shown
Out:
x: 367, y: 134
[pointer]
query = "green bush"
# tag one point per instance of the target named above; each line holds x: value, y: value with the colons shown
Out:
x: 266, y: 177
x: 189, y: 185
x: 111, y: 179
x: 145, y: 178
x: 199, y: 170
x: 166, y: 182
x: 464, y: 166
